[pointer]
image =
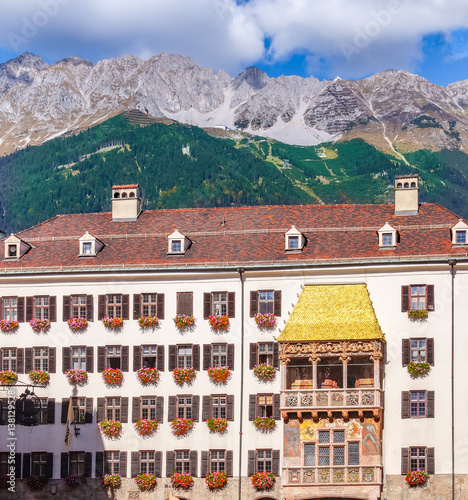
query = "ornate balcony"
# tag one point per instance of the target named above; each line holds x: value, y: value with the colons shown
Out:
x: 332, y: 475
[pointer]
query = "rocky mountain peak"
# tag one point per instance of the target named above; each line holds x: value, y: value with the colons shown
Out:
x: 253, y: 77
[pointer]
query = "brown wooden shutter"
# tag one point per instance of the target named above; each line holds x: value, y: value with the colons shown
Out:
x: 404, y: 300
x: 49, y: 466
x: 251, y: 463
x: 101, y: 359
x: 430, y: 297
x: 185, y: 303
x: 135, y: 409
x: 52, y: 364
x: 29, y: 308
x: 20, y: 309
x: 99, y: 468
x: 276, y: 407
x: 253, y: 303
x: 64, y: 413
x: 17, y: 465
x: 277, y: 303
x: 90, y: 359
x: 20, y: 360
x: 204, y: 464
x: 206, y: 408
x: 230, y: 407
x: 206, y: 356
x: 405, y: 404
x: 123, y: 464
x: 87, y: 464
x: 27, y: 359
x: 124, y: 410
x: 231, y: 304
x: 276, y: 355
x: 430, y: 461
x: 135, y: 463
x: 171, y: 412
x: 229, y: 461
x: 430, y: 404
x: 1, y: 307
x: 89, y: 307
x: 136, y: 357
x: 170, y: 463
x: 253, y: 355
x: 196, y: 357
x: 206, y: 305
x: 172, y: 357
x: 193, y: 457
x: 160, y: 305
x: 160, y: 358
x: 125, y: 306
x: 53, y: 309
x: 51, y: 411
x: 63, y: 465
x: 160, y: 409
x: 66, y: 308
x: 136, y: 306
x: 430, y: 351
x: 158, y: 464
x: 230, y: 356
x: 405, y: 352
x: 101, y: 306
x: 275, y: 462
x: 101, y: 402
x: 196, y: 408
x: 125, y: 358
x: 252, y: 406
x: 89, y: 411
x: 26, y: 465
x: 404, y: 461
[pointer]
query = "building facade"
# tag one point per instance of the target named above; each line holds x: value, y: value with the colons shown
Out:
x: 319, y: 313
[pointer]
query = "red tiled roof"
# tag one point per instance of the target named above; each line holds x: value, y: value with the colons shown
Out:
x: 240, y: 236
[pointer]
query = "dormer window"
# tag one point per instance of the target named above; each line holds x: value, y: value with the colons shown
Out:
x: 87, y: 248
x: 295, y: 240
x: 15, y: 247
x: 176, y: 246
x: 12, y: 250
x: 387, y: 239
x: 177, y: 243
x: 387, y: 236
x: 89, y: 245
x: 459, y: 236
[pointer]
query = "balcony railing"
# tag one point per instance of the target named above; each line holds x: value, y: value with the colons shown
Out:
x: 346, y: 399
x: 332, y: 475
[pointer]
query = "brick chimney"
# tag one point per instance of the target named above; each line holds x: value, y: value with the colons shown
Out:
x: 407, y: 194
x: 126, y: 203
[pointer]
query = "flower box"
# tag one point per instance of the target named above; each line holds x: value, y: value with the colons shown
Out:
x: 263, y: 480
x: 77, y: 324
x: 39, y: 325
x: 148, y: 321
x: 4, y: 481
x: 183, y: 321
x: 39, y: 377
x: 111, y: 481
x: 76, y: 377
x: 75, y: 480
x: 8, y: 377
x: 218, y: 322
x: 265, y: 372
x: 145, y: 482
x: 184, y: 375
x: 148, y: 375
x: 181, y: 480
x: 181, y: 426
x: 112, y: 376
x: 219, y: 374
x: 146, y: 427
x: 8, y: 325
x: 418, y: 369
x: 36, y: 482
x: 114, y: 323
x: 417, y: 314
x: 110, y: 428
x: 216, y: 480
x: 217, y: 424
x: 265, y: 423
x: 265, y: 321
x: 417, y: 478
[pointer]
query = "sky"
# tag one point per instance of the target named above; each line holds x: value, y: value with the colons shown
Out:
x: 351, y: 39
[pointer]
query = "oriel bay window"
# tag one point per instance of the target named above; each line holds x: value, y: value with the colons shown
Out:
x: 331, y: 449
x: 299, y: 374
x: 148, y: 304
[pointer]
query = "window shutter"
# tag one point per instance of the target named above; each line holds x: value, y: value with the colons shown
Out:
x: 230, y: 407
x: 17, y: 465
x: 135, y: 465
x: 99, y: 468
x: 253, y: 355
x: 53, y: 309
x: 52, y: 360
x: 51, y: 411
x: 253, y: 303
x: 63, y: 465
x: 66, y: 308
x: 26, y: 465
x: 430, y: 351
x: 169, y: 463
x: 229, y: 460
x: 88, y: 464
x: 63, y: 418
x: 276, y: 355
x: 136, y: 306
x: 20, y: 309
x: 27, y: 359
x: 404, y: 461
x: 89, y: 411
x: 405, y: 352
x: 89, y: 307
x: 185, y: 303
x: 158, y: 464
x: 430, y: 297
x: 172, y: 357
x: 275, y: 462
x: 20, y: 360
x: 404, y: 300
x: 196, y: 408
x: 125, y: 358
x: 29, y: 308
x: 204, y: 463
x: 405, y: 404
x: 160, y: 409
x: 101, y: 364
x: 206, y: 305
x: 136, y: 357
x: 430, y: 461
x: 276, y: 407
x: 160, y: 305
x: 90, y: 359
x: 231, y: 304
x: 49, y: 466
x: 160, y: 358
x: 124, y: 410
x: 123, y: 463
x: 230, y: 356
x: 206, y: 407
x: 100, y: 409
x: 196, y: 357
x: 430, y: 404
x: 277, y: 303
x: 252, y: 406
x: 135, y: 409
x: 251, y: 463
x: 1, y: 307
x: 125, y: 306
x: 193, y: 457
x: 101, y: 306
x: 171, y: 412
x: 206, y: 356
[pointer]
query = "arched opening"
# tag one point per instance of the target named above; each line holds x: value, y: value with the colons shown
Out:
x: 399, y: 185
x: 406, y: 185
x: 131, y: 195
x: 413, y: 184
x: 124, y: 195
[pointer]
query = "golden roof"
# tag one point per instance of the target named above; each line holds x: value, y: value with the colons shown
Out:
x: 332, y: 312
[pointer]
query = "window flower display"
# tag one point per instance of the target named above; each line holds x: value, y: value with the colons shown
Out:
x: 111, y: 481
x: 183, y: 321
x: 110, y: 428
x: 148, y: 375
x: 418, y: 369
x: 184, y: 375
x: 181, y: 480
x: 112, y: 322
x: 146, y: 427
x: 148, y: 321
x: 181, y: 426
x: 263, y: 480
x: 417, y: 314
x: 8, y: 325
x: 76, y: 377
x: 8, y: 377
x: 219, y: 374
x: 417, y: 478
x: 218, y: 322
x: 217, y: 424
x: 265, y: 372
x: 112, y: 376
x: 39, y: 325
x: 216, y: 480
x: 265, y: 423
x: 75, y: 480
x: 265, y: 321
x: 39, y: 377
x: 77, y: 324
x: 145, y: 482
x: 36, y: 482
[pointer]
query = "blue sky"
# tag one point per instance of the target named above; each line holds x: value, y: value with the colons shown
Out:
x: 347, y: 38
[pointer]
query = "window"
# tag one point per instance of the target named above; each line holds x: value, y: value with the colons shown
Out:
x: 41, y: 358
x: 78, y: 306
x: 387, y: 239
x: 217, y: 461
x: 219, y: 303
x: 39, y: 463
x: 41, y: 307
x: 79, y: 409
x: 182, y: 461
x: 293, y: 242
x: 219, y: 355
x: 417, y: 297
x: 112, y: 459
x: 460, y: 237
x: 12, y: 250
x: 417, y: 458
x: 184, y: 356
x: 459, y: 233
x: 149, y: 356
x: 149, y: 304
x: 309, y: 454
x: 185, y: 303
x: 294, y: 239
x: 176, y: 246
x: 4, y: 466
x: 148, y: 407
x: 78, y: 358
x: 418, y: 350
x: 264, y: 460
x: 418, y: 404
x: 87, y: 248
x: 331, y: 449
x: 219, y: 406
x: 113, y: 409
x: 265, y: 405
x: 113, y: 358
x: 265, y: 353
x: 177, y: 243
x: 353, y: 453
x: 77, y: 462
x: 41, y: 409
x: 184, y: 406
x: 114, y: 306
x: 147, y: 462
x: 9, y: 360
x: 10, y: 308
x: 265, y: 302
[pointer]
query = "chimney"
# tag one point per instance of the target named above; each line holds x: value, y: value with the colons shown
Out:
x: 126, y: 203
x: 407, y: 194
